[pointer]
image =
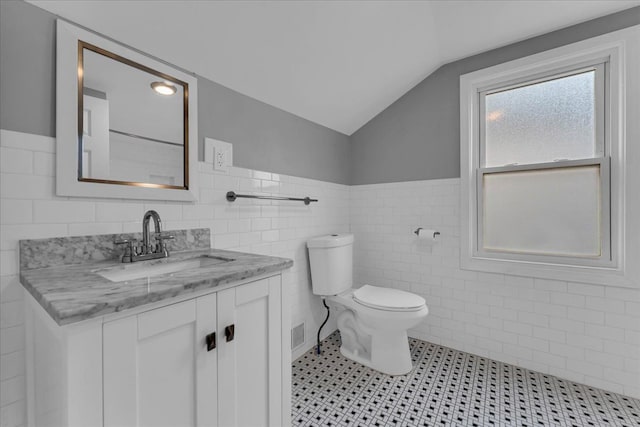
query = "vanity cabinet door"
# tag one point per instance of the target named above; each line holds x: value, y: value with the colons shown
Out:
x: 157, y: 367
x: 250, y: 356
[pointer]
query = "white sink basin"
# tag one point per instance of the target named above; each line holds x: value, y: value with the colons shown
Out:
x: 141, y: 269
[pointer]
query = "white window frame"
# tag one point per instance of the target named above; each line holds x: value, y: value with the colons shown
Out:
x: 616, y: 51
x: 600, y: 158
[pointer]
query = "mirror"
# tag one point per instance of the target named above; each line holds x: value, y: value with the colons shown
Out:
x: 132, y: 126
x: 131, y: 133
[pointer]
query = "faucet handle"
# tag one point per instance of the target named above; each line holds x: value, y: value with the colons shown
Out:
x: 163, y: 236
x: 127, y: 255
x: 162, y: 246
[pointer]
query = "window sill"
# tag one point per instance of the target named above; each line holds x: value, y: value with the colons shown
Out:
x: 610, y: 276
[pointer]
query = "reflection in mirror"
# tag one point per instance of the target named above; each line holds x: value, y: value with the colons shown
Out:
x: 132, y: 122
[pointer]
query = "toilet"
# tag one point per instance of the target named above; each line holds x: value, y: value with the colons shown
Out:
x: 373, y: 326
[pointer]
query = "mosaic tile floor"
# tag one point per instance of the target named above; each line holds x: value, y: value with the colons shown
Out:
x: 446, y: 388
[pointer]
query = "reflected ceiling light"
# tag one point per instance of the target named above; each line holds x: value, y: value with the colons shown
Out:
x: 164, y: 88
x: 495, y: 115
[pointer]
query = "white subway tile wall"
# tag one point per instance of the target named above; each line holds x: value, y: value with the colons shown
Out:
x: 582, y: 332
x: 31, y: 210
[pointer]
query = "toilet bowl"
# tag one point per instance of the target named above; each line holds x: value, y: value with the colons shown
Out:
x: 376, y: 336
x: 373, y: 325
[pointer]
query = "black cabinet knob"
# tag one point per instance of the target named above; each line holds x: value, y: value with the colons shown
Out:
x: 229, y: 332
x: 211, y: 341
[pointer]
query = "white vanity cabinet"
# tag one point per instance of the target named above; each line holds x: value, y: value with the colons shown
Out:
x: 157, y: 370
x: 155, y: 367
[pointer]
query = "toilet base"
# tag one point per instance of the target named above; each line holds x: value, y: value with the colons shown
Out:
x: 390, y: 354
x: 383, y: 350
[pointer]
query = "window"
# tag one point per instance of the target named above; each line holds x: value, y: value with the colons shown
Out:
x: 543, y: 176
x: 542, y: 164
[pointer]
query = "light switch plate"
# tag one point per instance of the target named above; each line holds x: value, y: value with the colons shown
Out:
x: 219, y: 154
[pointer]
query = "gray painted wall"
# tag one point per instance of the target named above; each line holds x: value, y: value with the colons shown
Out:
x: 415, y: 138
x: 263, y: 137
x: 269, y: 139
x: 27, y: 69
x: 418, y: 136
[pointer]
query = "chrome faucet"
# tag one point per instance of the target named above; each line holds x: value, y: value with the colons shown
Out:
x: 146, y: 245
x: 147, y: 250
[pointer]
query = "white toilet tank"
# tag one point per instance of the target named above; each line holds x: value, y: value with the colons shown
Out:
x: 331, y: 259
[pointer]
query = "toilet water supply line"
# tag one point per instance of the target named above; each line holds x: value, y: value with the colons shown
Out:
x: 321, y: 326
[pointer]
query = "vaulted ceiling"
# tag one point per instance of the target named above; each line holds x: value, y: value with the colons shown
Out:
x: 336, y: 63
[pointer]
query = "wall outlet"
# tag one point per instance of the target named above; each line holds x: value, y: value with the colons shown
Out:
x: 219, y: 154
x: 297, y: 336
x: 220, y: 160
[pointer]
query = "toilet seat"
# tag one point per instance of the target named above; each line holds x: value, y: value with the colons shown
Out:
x: 388, y: 299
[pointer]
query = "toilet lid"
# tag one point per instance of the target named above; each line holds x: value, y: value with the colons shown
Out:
x: 388, y: 299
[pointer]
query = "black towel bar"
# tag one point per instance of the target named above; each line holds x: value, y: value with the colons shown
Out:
x: 232, y: 196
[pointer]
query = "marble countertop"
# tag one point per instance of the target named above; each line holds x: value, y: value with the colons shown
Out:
x: 72, y: 293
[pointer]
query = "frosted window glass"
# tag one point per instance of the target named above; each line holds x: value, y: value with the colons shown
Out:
x: 548, y: 211
x: 541, y: 122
